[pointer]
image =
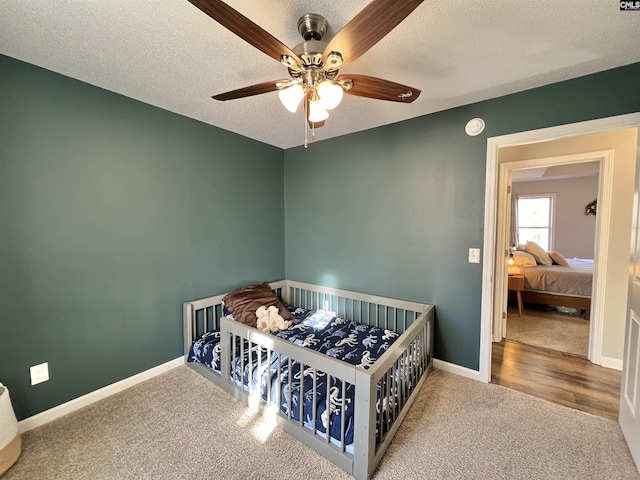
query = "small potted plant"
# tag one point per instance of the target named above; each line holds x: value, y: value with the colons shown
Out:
x: 591, y: 207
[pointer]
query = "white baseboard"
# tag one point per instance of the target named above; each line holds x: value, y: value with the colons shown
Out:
x: 85, y: 400
x: 457, y: 369
x: 609, y: 362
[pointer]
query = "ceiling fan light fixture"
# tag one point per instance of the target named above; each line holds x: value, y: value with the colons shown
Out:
x: 317, y: 112
x: 291, y: 96
x: 313, y: 65
x: 330, y: 94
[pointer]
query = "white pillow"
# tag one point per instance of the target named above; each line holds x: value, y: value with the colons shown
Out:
x: 523, y: 259
x: 559, y: 259
x: 542, y: 257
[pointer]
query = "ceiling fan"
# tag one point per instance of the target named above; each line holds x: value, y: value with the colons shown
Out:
x: 314, y: 64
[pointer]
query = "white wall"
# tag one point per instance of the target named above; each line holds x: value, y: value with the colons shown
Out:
x: 623, y: 142
x: 574, y: 234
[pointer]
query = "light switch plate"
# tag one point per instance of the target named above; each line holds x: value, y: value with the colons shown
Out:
x: 39, y: 373
x: 474, y: 255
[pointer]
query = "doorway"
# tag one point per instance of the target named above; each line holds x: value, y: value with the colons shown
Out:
x: 567, y: 281
x: 542, y: 139
x: 548, y: 207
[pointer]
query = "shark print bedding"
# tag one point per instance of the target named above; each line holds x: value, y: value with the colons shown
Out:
x: 354, y: 343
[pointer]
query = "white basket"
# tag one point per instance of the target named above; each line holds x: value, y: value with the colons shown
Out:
x: 10, y: 444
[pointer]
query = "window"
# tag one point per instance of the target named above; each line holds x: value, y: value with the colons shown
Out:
x: 534, y: 217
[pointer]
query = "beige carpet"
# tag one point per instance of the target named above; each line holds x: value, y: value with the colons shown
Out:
x: 180, y: 426
x: 549, y: 329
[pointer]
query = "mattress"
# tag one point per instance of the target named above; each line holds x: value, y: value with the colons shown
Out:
x: 349, y: 341
x: 574, y: 280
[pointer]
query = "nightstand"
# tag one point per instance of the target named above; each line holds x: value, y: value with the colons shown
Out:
x: 516, y: 284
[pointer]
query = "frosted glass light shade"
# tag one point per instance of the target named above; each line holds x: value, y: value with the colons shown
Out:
x: 317, y: 112
x: 330, y: 94
x: 291, y: 97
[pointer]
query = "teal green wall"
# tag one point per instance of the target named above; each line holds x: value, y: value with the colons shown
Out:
x: 394, y: 210
x: 112, y: 213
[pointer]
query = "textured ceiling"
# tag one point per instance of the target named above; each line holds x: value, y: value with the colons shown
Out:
x: 169, y: 54
x: 556, y: 172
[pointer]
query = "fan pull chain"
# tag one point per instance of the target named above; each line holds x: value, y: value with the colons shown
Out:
x: 306, y: 128
x: 313, y: 133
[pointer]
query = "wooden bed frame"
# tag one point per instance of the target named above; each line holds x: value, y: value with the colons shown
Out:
x: 583, y: 303
x: 403, y: 368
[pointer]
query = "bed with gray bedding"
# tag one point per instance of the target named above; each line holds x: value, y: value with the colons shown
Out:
x: 560, y: 286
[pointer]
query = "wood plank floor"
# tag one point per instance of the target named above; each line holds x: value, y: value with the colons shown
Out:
x: 561, y: 378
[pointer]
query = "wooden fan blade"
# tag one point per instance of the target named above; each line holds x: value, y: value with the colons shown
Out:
x: 247, y: 30
x: 373, y: 87
x: 367, y: 28
x: 249, y: 91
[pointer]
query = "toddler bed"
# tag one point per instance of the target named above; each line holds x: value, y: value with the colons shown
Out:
x: 349, y: 364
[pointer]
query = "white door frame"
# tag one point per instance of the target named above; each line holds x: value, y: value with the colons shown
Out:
x: 602, y: 228
x: 491, y: 199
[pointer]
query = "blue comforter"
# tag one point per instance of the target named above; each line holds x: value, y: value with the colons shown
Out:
x: 351, y: 342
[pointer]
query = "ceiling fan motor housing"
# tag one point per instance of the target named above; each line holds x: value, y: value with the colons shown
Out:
x: 310, y: 52
x: 312, y: 26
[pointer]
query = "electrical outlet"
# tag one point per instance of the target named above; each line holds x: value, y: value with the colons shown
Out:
x: 39, y: 373
x: 474, y: 255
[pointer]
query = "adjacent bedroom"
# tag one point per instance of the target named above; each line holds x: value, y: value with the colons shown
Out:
x: 553, y: 231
